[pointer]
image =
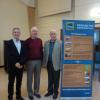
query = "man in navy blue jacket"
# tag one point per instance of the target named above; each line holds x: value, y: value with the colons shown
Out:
x: 16, y: 52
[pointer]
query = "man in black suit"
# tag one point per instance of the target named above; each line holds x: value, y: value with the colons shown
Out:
x: 16, y: 51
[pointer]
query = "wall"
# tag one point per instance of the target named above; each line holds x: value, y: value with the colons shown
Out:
x: 46, y: 24
x: 83, y: 9
x: 53, y: 21
x: 12, y: 13
x: 30, y: 3
x: 50, y: 7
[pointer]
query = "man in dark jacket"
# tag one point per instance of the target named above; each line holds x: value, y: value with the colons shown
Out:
x: 16, y: 52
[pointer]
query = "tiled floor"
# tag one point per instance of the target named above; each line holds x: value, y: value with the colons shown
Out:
x: 43, y: 87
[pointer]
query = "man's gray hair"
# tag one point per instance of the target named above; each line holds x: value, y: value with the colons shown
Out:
x: 53, y: 31
x: 15, y: 28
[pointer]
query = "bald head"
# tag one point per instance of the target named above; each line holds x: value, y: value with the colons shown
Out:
x: 34, y: 32
x: 34, y: 28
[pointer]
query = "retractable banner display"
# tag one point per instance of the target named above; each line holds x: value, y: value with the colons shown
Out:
x: 77, y: 59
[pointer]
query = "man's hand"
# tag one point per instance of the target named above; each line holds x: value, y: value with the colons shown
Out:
x: 17, y: 65
x: 21, y: 66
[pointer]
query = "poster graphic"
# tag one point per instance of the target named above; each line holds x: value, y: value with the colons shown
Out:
x: 77, y: 59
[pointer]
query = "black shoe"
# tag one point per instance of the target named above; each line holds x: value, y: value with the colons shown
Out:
x: 55, y: 96
x: 37, y: 95
x: 10, y: 99
x: 48, y: 94
x: 19, y: 98
x: 31, y: 98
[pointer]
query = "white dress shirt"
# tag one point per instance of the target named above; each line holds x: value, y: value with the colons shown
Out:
x: 17, y: 44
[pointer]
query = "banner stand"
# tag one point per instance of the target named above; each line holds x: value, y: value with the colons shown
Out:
x: 77, y: 60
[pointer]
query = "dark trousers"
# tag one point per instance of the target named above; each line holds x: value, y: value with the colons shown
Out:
x: 53, y: 78
x: 15, y: 73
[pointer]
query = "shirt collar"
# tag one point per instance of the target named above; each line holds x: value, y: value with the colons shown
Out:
x: 33, y: 38
x: 52, y: 41
x: 16, y: 40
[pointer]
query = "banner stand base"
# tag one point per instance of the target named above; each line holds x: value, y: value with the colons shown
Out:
x: 75, y: 98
